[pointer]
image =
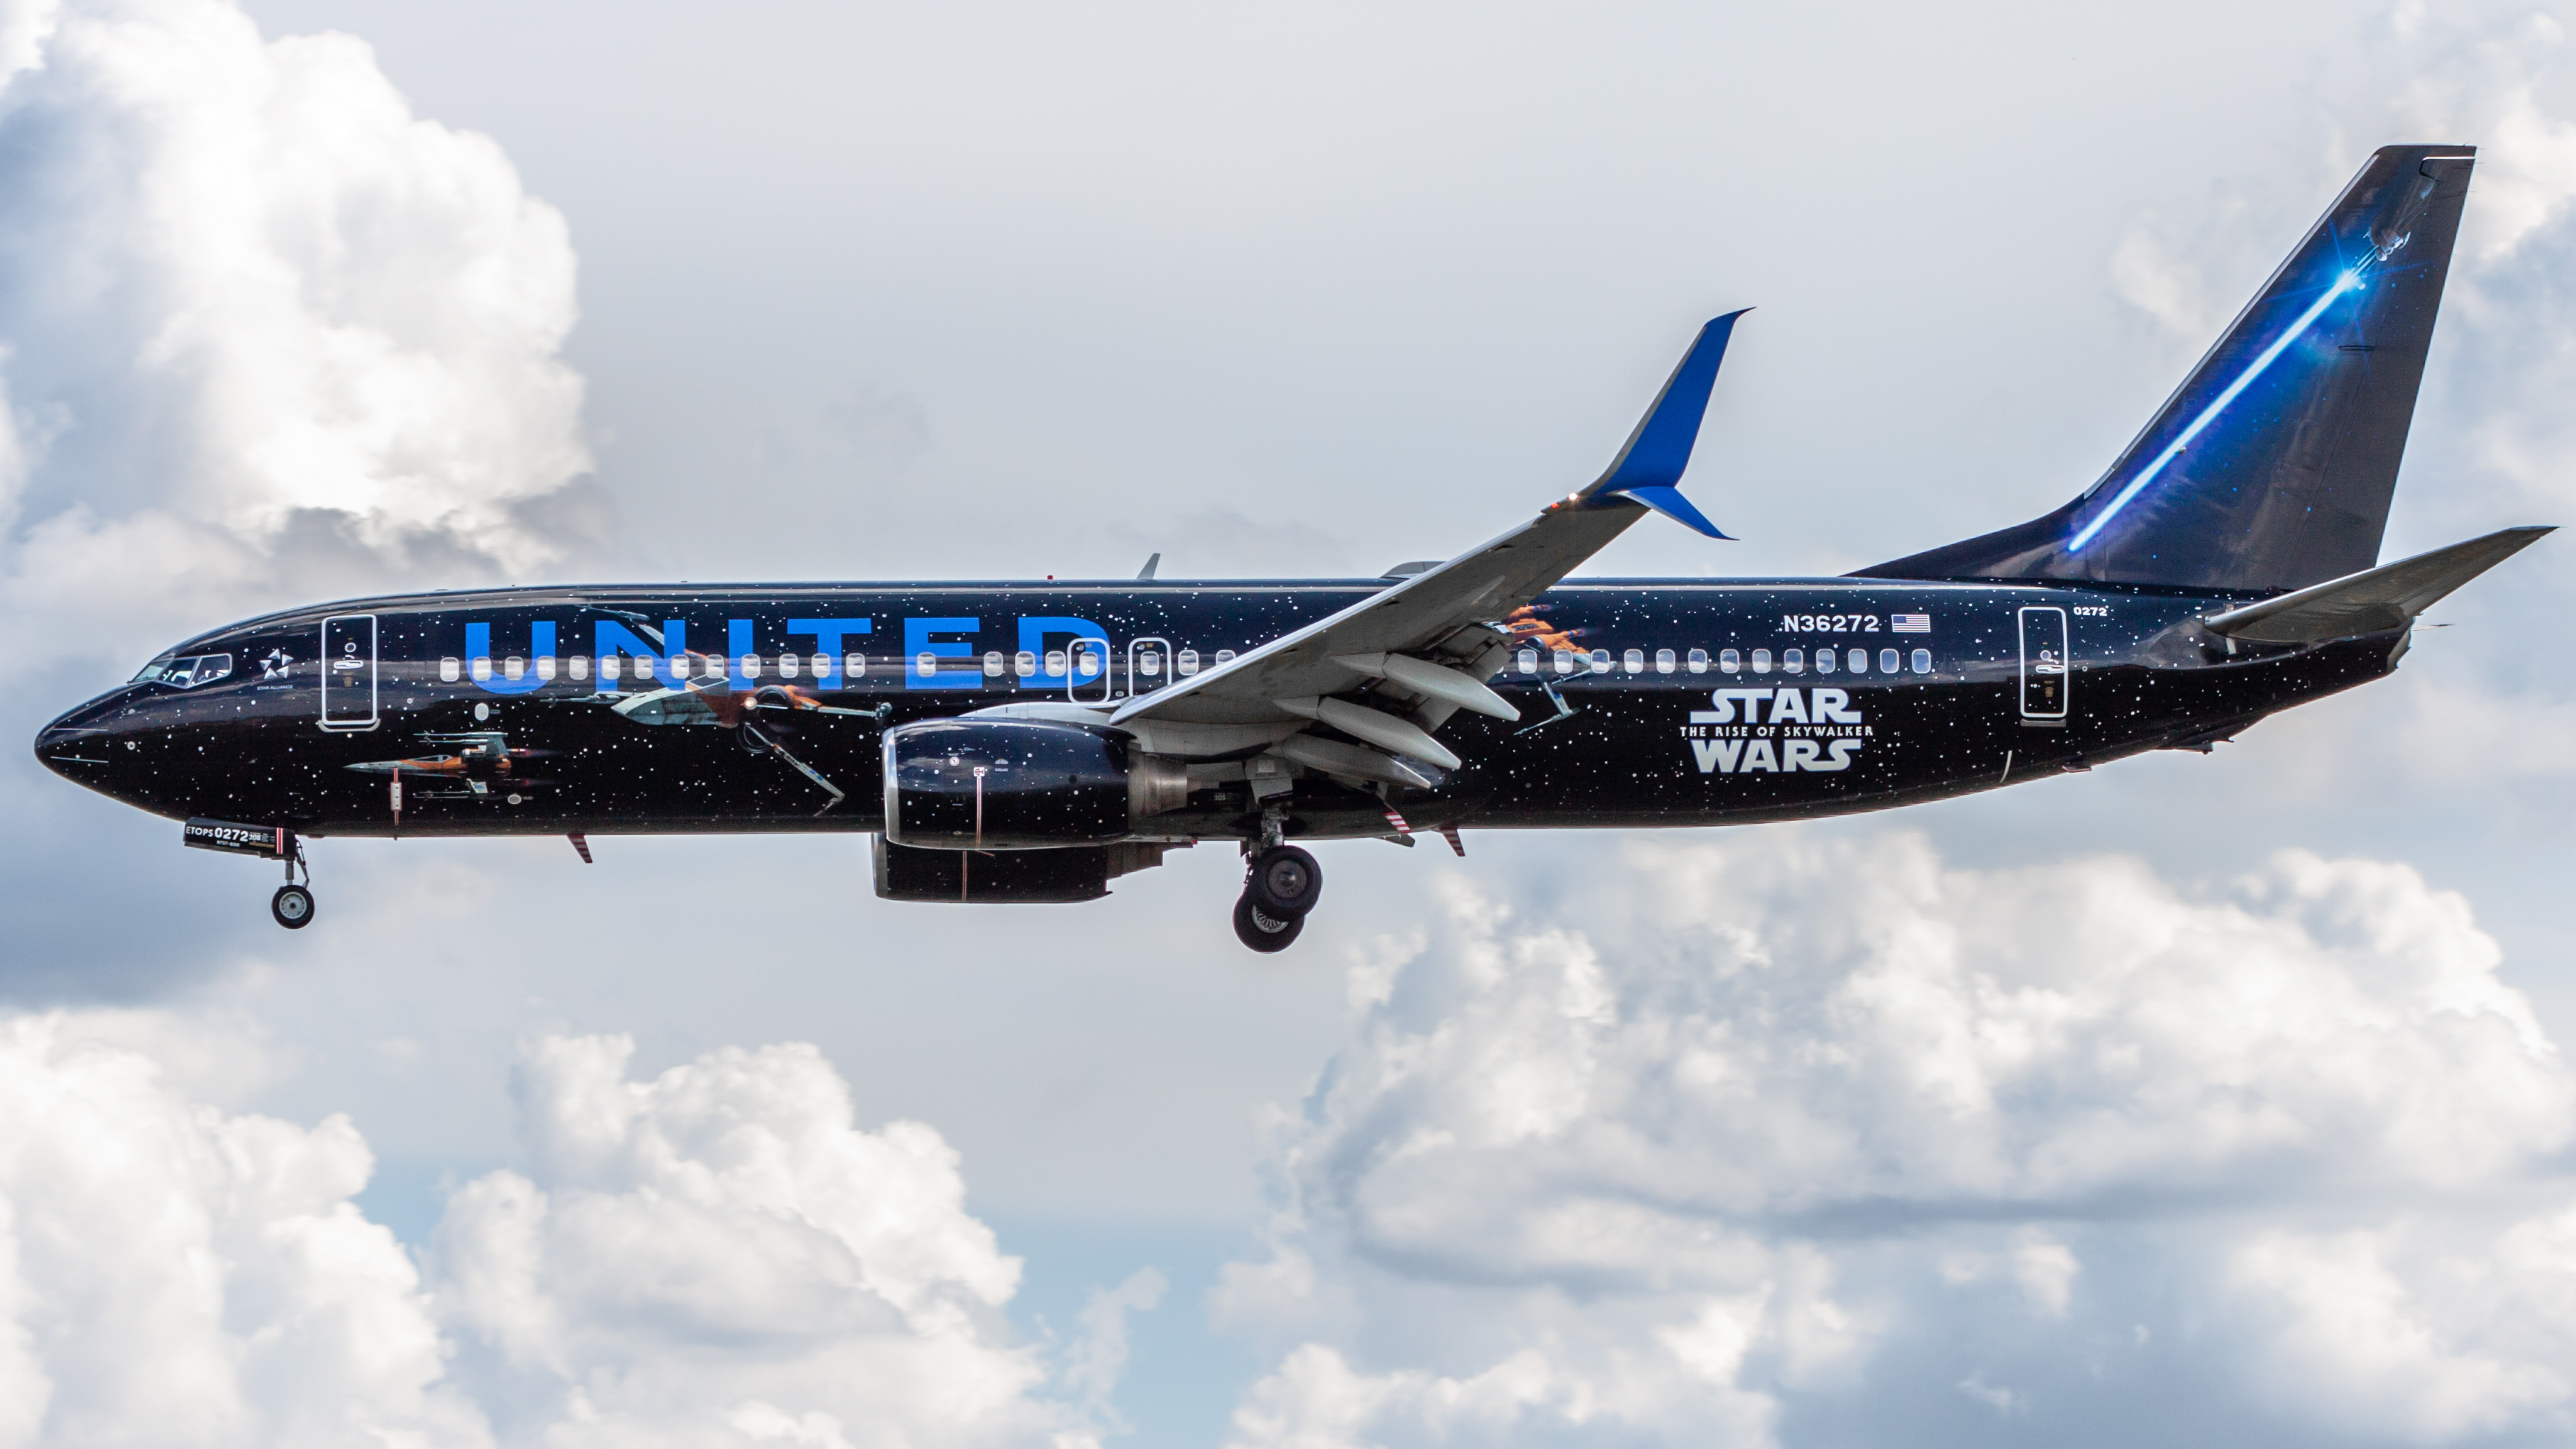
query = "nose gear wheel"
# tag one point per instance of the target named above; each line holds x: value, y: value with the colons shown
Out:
x: 292, y: 907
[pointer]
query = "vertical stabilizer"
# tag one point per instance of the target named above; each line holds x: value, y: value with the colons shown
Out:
x: 2272, y: 466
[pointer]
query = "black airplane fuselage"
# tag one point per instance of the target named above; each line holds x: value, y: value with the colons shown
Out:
x: 1030, y: 742
x: 1643, y: 702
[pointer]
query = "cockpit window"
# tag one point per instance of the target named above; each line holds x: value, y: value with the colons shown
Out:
x: 187, y: 671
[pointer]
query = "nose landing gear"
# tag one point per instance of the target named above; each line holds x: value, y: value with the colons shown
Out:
x: 292, y: 906
x: 1281, y: 886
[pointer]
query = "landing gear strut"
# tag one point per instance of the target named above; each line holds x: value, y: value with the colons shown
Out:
x: 1282, y: 885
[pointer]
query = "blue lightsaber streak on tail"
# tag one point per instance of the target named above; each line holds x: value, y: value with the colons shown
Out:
x: 2342, y: 284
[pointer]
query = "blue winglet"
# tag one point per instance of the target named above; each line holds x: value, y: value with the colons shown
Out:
x: 1670, y: 503
x: 1659, y: 450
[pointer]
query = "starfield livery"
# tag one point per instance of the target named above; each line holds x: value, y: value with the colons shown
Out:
x: 1032, y: 742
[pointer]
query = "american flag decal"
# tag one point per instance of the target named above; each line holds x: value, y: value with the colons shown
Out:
x: 1911, y: 623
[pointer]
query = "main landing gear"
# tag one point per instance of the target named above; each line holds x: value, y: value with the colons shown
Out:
x: 1282, y: 885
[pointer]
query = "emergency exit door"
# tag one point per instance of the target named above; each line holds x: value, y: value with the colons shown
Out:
x: 2043, y: 665
x: 349, y: 672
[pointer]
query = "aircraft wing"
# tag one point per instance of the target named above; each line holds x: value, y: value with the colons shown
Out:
x: 1447, y: 617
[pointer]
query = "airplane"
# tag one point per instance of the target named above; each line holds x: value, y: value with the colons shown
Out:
x: 1031, y: 742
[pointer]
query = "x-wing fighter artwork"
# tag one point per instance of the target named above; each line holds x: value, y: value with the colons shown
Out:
x: 702, y: 702
x: 1036, y: 740
x: 477, y: 763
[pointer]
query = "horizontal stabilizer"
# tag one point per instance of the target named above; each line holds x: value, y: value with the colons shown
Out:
x: 2387, y: 597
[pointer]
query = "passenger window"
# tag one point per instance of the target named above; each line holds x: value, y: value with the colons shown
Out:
x: 1225, y: 656
x: 1761, y: 661
x: 1055, y: 664
x: 1699, y: 661
x: 1150, y: 662
x: 992, y: 664
x: 481, y: 668
x: 1887, y: 663
x: 788, y: 665
x: 609, y: 668
x: 1025, y: 663
x: 450, y: 670
x: 857, y: 665
x: 751, y: 666
x: 1730, y: 661
x: 1824, y: 661
x: 514, y: 667
x: 925, y: 664
x: 1528, y: 661
x: 579, y: 664
x: 1663, y: 661
x: 1635, y: 661
x: 1922, y: 661
x: 1600, y: 661
x: 1794, y: 660
x: 822, y: 666
x: 1565, y: 661
x: 546, y: 667
x: 1189, y: 662
x: 1860, y: 661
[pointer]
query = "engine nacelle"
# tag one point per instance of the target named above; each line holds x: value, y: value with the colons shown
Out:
x: 997, y: 784
x: 1008, y: 877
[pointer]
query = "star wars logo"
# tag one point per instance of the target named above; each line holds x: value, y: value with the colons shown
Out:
x: 1778, y: 731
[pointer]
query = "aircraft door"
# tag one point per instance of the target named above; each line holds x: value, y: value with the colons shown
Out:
x: 1149, y: 665
x: 1087, y: 671
x: 349, y: 672
x: 2043, y: 665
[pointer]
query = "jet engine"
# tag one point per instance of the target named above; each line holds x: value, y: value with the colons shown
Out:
x: 983, y: 784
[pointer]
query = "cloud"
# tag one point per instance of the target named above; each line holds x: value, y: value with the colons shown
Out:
x: 173, y: 1275
x: 1730, y: 1128
x: 716, y: 1256
x: 721, y: 1255
x: 1099, y: 1357
x: 268, y: 332
x: 2414, y: 1332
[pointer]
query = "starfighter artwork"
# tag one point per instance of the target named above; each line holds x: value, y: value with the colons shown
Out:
x: 1032, y: 742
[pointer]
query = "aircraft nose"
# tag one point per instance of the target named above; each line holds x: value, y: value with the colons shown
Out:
x: 76, y: 745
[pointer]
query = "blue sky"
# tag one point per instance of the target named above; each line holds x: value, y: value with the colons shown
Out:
x: 2193, y: 1097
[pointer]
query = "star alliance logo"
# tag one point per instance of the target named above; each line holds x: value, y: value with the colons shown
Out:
x: 276, y: 664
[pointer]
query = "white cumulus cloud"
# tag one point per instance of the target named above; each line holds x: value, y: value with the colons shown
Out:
x: 717, y: 1256
x: 172, y: 1275
x: 1737, y: 1126
x: 721, y: 1255
x: 268, y: 332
